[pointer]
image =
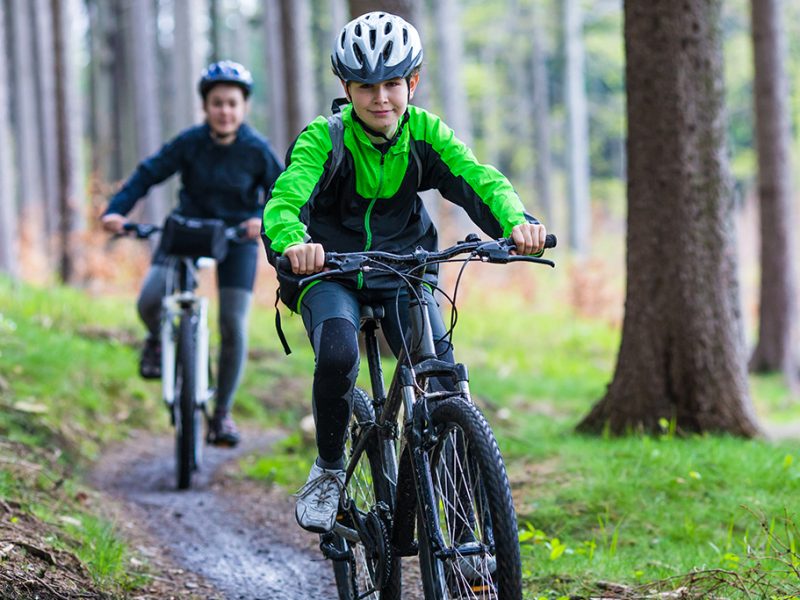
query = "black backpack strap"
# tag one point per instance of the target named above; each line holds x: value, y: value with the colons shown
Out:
x: 336, y: 131
x: 415, y: 155
x: 278, y: 327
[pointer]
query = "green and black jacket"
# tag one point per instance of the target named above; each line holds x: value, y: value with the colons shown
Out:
x: 372, y: 201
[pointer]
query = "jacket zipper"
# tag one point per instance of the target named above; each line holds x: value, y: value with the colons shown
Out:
x: 367, y: 217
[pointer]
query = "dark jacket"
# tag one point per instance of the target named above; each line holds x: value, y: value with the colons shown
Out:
x: 219, y: 181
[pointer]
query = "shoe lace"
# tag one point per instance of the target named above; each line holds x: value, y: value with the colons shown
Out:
x: 325, y: 483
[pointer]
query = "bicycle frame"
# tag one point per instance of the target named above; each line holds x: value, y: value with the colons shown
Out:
x: 405, y: 391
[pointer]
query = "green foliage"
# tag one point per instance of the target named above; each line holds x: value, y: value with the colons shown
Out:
x: 67, y: 386
x: 102, y: 551
x: 286, y: 466
x: 68, y: 366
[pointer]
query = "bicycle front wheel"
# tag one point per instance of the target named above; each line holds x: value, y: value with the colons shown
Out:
x: 188, y: 419
x: 371, y: 572
x: 473, y: 513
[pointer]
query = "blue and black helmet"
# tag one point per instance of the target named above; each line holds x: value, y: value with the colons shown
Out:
x: 225, y: 71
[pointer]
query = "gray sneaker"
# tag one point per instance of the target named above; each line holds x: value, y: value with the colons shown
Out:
x: 318, y: 499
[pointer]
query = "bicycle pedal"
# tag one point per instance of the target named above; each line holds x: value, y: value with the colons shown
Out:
x: 329, y: 550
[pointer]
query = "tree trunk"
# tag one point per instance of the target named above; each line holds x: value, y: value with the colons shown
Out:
x: 541, y: 121
x: 450, y: 79
x: 186, y: 66
x: 8, y: 215
x: 46, y: 94
x: 102, y: 30
x: 579, y: 228
x: 329, y: 18
x: 146, y: 98
x: 124, y: 117
x: 276, y: 103
x: 776, y: 348
x: 68, y: 123
x: 681, y: 357
x: 27, y: 135
x: 406, y: 9
x: 298, y: 73
x: 215, y: 25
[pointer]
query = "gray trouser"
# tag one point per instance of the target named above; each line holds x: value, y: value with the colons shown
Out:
x: 234, y: 308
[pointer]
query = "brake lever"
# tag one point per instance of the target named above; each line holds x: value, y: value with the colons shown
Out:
x: 499, y: 252
x: 349, y: 264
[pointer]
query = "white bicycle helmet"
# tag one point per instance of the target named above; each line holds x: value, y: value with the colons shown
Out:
x: 375, y: 47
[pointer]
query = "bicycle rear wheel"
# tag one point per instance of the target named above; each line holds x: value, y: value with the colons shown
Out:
x: 370, y: 484
x: 474, y: 511
x: 188, y: 417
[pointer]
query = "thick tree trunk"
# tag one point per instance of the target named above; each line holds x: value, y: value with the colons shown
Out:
x: 298, y: 74
x: 68, y: 121
x: 681, y: 356
x: 9, y: 264
x: 776, y: 349
x: 579, y: 223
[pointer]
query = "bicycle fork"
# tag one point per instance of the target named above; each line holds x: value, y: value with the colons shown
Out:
x: 173, y: 308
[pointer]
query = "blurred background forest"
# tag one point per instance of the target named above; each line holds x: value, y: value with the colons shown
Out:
x: 536, y: 86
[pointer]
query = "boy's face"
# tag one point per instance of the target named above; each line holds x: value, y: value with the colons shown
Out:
x: 225, y: 107
x: 381, y: 105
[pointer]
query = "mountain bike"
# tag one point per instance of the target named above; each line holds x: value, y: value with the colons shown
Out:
x: 438, y: 489
x: 186, y: 377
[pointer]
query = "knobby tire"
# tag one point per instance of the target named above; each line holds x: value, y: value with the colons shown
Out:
x: 186, y: 429
x: 470, y: 479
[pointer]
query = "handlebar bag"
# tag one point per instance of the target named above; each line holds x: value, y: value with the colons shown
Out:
x: 195, y: 238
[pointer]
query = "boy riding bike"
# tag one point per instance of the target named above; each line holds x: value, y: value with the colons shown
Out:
x: 226, y: 168
x: 370, y: 201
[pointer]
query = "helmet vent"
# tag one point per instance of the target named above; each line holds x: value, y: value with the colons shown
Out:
x: 387, y: 28
x: 359, y: 54
x: 405, y: 35
x: 357, y: 29
x: 387, y: 51
x: 341, y: 41
x: 372, y: 37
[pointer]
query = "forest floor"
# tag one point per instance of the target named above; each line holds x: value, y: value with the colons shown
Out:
x: 230, y: 537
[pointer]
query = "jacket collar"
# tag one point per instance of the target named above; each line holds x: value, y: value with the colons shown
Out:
x: 401, y: 145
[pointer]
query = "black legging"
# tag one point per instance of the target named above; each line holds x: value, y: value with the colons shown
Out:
x: 335, y: 342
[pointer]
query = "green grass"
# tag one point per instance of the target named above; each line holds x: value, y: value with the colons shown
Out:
x: 67, y: 386
x: 628, y: 510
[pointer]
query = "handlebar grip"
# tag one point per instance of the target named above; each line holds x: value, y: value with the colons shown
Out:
x: 550, y: 241
x: 282, y: 263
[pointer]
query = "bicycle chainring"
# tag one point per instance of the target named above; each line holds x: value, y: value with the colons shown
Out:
x: 378, y: 547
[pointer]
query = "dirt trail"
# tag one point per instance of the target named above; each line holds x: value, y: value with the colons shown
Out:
x: 236, y: 535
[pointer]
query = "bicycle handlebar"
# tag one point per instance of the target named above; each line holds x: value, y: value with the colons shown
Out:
x: 492, y: 251
x: 142, y: 231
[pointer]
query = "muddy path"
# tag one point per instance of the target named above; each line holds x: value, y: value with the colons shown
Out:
x: 238, y: 538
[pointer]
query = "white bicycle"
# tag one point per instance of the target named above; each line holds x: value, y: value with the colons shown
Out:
x: 186, y: 377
